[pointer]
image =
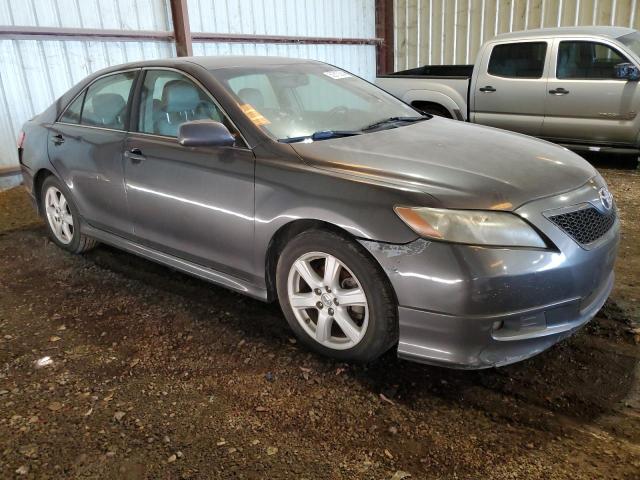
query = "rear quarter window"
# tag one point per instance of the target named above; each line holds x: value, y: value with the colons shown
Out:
x: 74, y: 110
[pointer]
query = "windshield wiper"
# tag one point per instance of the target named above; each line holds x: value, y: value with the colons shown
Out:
x: 392, y: 120
x: 322, y: 135
x: 327, y: 134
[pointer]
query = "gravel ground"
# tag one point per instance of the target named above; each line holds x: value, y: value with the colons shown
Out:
x: 115, y: 367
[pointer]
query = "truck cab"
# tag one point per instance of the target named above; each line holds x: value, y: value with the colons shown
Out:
x: 573, y: 86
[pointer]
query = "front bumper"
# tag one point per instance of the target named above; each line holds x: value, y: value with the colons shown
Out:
x: 476, y: 307
x: 471, y: 342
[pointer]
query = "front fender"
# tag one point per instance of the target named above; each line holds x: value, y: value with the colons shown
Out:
x: 288, y: 190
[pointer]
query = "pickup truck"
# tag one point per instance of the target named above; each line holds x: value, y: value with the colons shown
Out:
x: 575, y: 86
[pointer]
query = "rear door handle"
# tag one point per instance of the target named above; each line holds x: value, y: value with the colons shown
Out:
x: 135, y: 155
x: 488, y: 88
x: 57, y: 139
x: 559, y: 91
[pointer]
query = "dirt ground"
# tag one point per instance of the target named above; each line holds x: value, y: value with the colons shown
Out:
x: 115, y: 367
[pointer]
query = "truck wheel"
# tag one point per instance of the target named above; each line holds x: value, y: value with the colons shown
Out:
x: 629, y: 161
x: 336, y: 300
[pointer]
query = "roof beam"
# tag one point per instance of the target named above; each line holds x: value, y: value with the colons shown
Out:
x: 245, y: 38
x: 181, y: 28
x: 384, y: 31
x: 56, y: 33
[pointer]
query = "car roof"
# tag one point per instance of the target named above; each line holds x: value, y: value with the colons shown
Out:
x: 612, y: 32
x: 225, y: 61
x: 221, y: 61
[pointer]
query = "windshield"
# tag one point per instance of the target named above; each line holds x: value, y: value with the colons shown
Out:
x: 297, y: 100
x: 632, y: 41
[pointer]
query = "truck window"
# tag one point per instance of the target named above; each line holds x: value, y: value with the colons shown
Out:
x: 518, y: 60
x: 587, y: 61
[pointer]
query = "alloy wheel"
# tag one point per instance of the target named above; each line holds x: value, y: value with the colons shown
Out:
x: 59, y: 215
x: 328, y: 300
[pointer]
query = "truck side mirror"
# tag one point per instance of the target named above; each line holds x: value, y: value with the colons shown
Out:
x: 627, y: 71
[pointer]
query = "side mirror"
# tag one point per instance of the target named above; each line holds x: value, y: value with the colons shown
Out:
x: 204, y: 133
x: 627, y: 71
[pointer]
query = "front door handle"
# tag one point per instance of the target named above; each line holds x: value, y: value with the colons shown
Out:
x: 57, y: 139
x: 488, y: 88
x: 135, y: 155
x: 559, y: 91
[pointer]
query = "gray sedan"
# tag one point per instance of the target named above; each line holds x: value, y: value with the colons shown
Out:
x: 374, y: 226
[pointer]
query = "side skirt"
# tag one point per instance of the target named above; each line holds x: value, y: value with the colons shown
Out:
x: 185, y: 266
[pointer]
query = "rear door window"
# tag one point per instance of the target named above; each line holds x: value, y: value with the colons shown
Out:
x: 518, y: 60
x: 106, y: 102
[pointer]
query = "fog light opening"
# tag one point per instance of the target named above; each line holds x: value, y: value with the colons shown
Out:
x: 497, y: 325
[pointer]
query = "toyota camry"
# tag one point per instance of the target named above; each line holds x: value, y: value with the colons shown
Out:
x: 375, y: 227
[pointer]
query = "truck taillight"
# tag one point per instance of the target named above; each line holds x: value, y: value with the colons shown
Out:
x: 21, y: 138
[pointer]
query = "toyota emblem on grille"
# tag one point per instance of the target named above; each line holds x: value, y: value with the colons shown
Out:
x: 605, y: 198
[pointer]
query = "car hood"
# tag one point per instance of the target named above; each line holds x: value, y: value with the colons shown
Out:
x: 458, y: 164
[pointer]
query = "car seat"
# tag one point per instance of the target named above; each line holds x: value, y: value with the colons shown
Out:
x: 179, y: 103
x: 253, y: 97
x: 107, y: 110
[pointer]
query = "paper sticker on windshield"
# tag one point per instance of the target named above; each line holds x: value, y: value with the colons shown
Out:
x: 337, y: 74
x: 255, y: 116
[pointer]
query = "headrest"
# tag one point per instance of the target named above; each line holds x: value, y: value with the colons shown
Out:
x: 107, y: 106
x: 252, y: 96
x: 179, y: 96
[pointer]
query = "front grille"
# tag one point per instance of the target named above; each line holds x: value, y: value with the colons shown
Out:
x: 586, y: 225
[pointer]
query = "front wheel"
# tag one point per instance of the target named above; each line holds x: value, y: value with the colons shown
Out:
x: 336, y: 299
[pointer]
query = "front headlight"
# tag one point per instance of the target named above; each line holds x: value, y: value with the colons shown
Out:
x: 475, y: 227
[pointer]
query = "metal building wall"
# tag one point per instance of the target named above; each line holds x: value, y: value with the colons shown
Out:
x: 310, y: 18
x: 451, y: 31
x: 33, y: 73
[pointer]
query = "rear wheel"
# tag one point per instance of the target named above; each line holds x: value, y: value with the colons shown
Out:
x: 335, y: 298
x: 62, y: 218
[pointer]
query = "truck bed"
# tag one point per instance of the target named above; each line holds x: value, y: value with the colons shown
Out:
x: 436, y: 71
x: 432, y: 88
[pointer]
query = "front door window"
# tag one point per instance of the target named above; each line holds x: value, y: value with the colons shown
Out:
x: 579, y: 60
x: 169, y: 99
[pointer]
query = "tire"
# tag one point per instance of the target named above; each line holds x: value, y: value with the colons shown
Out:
x: 372, y: 323
x: 64, y: 212
x: 629, y: 162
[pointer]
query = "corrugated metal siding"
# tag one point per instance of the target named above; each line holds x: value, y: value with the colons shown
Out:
x: 108, y: 14
x: 451, y: 31
x: 33, y: 73
x: 359, y: 59
x: 310, y: 18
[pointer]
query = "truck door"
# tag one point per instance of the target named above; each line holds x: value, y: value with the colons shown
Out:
x: 510, y: 87
x: 585, y: 103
